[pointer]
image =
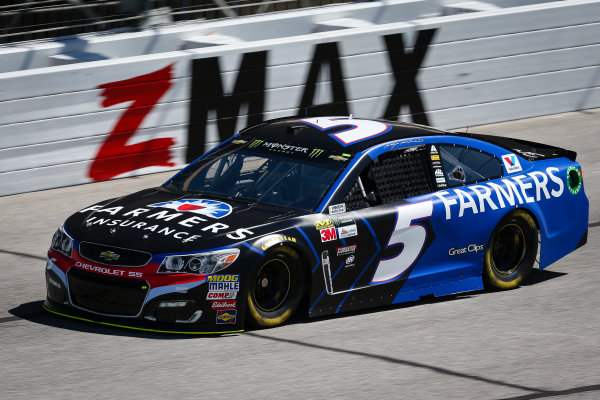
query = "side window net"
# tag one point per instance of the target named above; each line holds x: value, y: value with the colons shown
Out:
x: 354, y: 199
x: 401, y: 174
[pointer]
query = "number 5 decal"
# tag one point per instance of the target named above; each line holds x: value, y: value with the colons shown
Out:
x: 359, y: 129
x: 412, y: 237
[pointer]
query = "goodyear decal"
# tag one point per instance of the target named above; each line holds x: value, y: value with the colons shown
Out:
x: 277, y: 239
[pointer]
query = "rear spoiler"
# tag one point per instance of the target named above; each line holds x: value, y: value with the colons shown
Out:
x: 531, y: 151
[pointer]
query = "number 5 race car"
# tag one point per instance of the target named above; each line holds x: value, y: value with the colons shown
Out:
x: 326, y: 215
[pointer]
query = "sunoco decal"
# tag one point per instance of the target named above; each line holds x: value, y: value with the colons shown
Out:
x: 210, y: 208
x: 226, y: 316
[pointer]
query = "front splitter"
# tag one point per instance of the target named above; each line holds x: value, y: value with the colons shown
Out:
x: 65, y: 312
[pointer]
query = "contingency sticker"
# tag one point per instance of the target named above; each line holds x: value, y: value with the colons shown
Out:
x: 511, y: 163
x: 226, y: 316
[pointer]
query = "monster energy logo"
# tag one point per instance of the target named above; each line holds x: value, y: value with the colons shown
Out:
x: 255, y: 143
x: 315, y: 153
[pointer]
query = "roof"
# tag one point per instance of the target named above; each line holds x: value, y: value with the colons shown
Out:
x: 306, y: 132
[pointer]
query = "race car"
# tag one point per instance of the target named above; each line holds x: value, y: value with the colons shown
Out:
x: 323, y: 215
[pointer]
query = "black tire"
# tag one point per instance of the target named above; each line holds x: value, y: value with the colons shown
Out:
x: 511, y: 251
x: 275, y: 289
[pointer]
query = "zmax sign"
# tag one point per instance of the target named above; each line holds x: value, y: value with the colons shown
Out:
x: 207, y: 93
x: 121, y: 152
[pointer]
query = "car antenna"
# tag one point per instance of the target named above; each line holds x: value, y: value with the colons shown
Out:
x: 350, y: 117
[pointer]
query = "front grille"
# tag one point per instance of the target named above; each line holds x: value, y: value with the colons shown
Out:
x: 106, y: 294
x: 112, y: 255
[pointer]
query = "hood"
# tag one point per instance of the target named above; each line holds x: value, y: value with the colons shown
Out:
x: 160, y: 220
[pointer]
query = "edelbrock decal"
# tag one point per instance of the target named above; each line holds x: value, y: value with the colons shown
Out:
x: 211, y: 208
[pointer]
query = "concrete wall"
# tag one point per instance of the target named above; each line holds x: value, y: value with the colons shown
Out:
x: 66, y: 120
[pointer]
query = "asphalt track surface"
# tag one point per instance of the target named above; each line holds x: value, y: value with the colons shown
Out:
x: 539, y: 341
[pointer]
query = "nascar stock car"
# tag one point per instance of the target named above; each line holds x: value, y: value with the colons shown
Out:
x: 324, y: 215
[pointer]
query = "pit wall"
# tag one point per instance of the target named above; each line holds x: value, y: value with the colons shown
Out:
x: 105, y: 107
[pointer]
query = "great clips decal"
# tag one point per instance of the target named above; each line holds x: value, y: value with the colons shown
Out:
x: 211, y: 208
x: 115, y: 155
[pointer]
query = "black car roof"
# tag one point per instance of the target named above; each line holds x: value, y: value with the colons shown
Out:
x: 294, y: 131
x: 297, y: 132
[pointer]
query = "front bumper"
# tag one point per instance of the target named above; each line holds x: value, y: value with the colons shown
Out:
x: 133, y: 303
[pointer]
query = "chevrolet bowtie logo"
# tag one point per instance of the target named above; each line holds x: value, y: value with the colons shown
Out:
x: 109, y: 255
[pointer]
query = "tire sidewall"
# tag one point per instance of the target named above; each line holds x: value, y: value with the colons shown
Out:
x: 495, y: 280
x: 259, y: 318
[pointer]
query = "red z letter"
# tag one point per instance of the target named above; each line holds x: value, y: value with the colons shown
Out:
x: 115, y: 156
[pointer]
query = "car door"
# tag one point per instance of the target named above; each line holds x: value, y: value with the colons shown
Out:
x: 387, y: 233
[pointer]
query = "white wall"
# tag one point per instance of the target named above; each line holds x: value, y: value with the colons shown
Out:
x: 478, y: 67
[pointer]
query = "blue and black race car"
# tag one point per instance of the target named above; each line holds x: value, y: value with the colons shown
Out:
x: 326, y: 215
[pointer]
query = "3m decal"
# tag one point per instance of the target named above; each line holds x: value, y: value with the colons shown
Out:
x: 519, y: 189
x: 337, y: 209
x: 358, y: 129
x: 472, y: 248
x: 221, y: 304
x: 511, y: 163
x: 211, y: 208
x: 411, y: 237
x: 116, y: 156
x: 328, y: 234
x: 226, y: 316
x: 345, y: 250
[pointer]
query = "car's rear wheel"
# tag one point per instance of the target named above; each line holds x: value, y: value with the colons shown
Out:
x: 511, y: 251
x: 276, y: 288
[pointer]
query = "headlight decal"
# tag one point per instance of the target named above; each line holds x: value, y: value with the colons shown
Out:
x: 62, y: 242
x: 202, y: 263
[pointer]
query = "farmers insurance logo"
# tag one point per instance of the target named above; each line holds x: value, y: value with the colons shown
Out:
x: 211, y: 208
x: 511, y: 163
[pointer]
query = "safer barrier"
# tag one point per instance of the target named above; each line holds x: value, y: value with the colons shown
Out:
x: 87, y: 121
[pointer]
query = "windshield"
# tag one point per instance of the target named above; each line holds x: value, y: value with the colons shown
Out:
x: 272, y: 173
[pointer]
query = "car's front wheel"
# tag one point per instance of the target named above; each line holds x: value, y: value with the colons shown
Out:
x: 511, y: 251
x: 276, y: 288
